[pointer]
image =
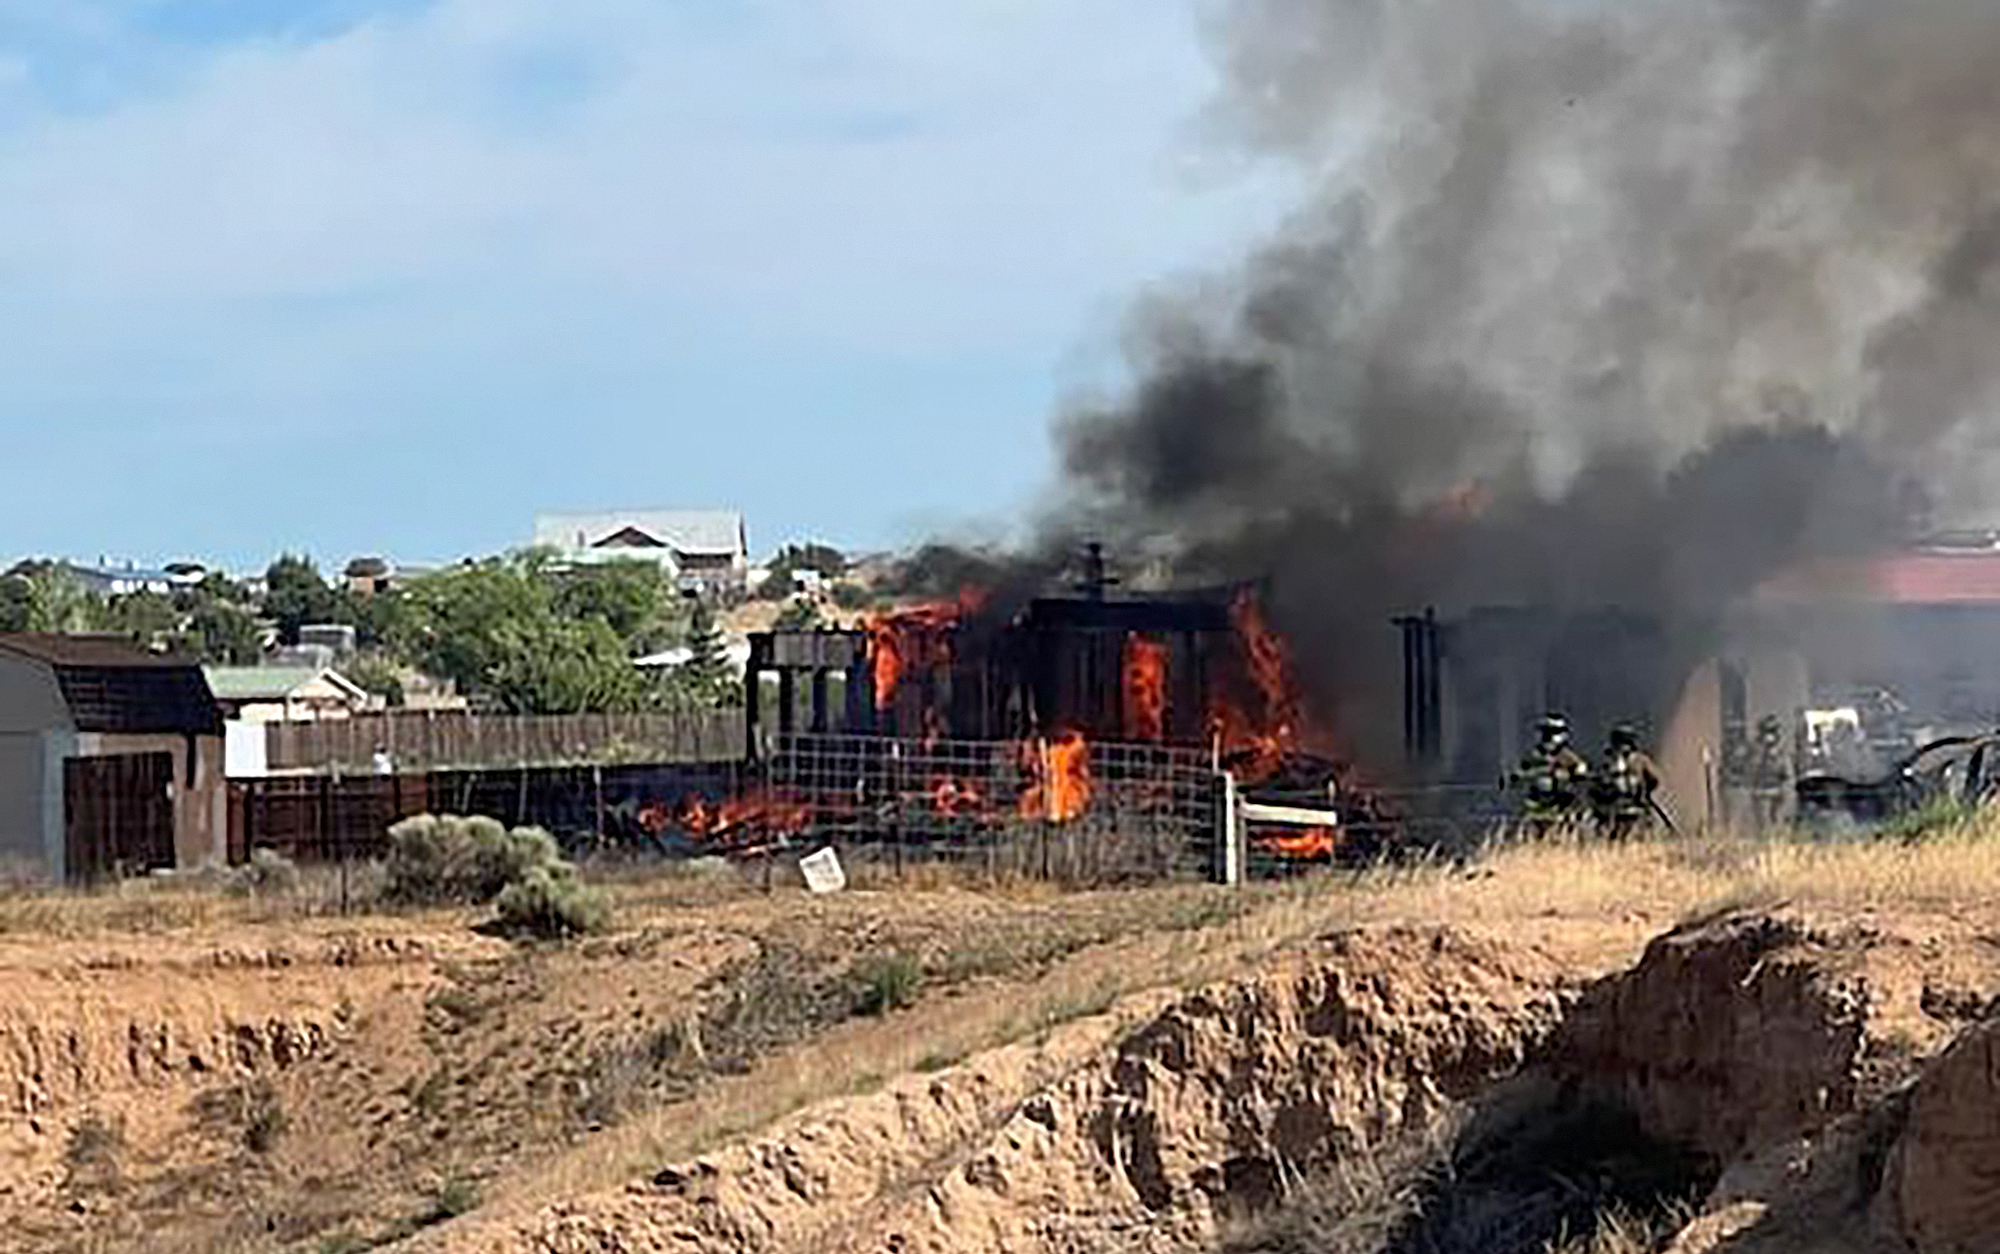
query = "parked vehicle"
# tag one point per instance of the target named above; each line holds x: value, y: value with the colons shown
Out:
x: 1956, y: 769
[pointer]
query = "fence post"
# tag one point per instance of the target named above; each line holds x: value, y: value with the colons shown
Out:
x: 1229, y: 833
x: 597, y: 787
x: 253, y: 790
x: 896, y: 807
x: 323, y: 818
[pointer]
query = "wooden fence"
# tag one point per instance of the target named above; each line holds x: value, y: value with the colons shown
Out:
x: 329, y: 818
x: 425, y: 741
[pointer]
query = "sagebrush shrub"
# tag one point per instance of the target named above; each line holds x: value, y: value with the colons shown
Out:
x: 887, y: 982
x: 446, y: 859
x: 441, y: 859
x: 550, y: 902
x: 269, y: 874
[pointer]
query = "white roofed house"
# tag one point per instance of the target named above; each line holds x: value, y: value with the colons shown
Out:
x: 705, y: 550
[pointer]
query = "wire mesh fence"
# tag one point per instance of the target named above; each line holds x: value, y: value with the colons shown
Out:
x: 1060, y: 810
x: 1064, y: 811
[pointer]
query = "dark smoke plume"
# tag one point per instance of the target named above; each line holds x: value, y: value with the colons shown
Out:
x: 1591, y: 302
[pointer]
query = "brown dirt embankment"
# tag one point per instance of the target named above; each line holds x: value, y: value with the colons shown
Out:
x: 1755, y: 1066
x: 105, y: 1044
x: 1157, y: 1118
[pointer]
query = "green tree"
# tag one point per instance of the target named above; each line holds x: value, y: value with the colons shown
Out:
x: 148, y: 619
x: 295, y: 595
x: 376, y: 673
x: 707, y: 675
x: 46, y: 596
x: 636, y: 600
x: 373, y: 615
x: 17, y: 603
x: 222, y: 632
x: 494, y: 629
x: 550, y: 665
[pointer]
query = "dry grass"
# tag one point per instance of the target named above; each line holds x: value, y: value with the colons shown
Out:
x: 187, y: 901
x: 992, y: 977
x: 1183, y: 944
x: 1958, y: 864
x: 1603, y: 900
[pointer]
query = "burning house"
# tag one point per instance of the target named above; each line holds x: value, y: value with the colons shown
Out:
x: 1132, y: 670
x: 1054, y: 709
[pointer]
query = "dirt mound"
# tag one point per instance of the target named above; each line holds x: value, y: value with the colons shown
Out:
x: 115, y: 1020
x: 1757, y: 1053
x: 106, y: 1048
x: 1739, y: 1031
x: 1778, y: 1047
x: 1213, y: 1101
x: 1941, y: 1192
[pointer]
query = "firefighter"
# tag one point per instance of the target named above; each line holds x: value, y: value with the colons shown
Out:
x: 1622, y: 794
x: 1553, y: 778
x: 1770, y: 773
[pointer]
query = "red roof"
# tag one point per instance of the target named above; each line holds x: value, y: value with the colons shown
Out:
x: 1930, y: 577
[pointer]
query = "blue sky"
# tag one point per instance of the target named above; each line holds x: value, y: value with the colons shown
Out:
x: 395, y: 275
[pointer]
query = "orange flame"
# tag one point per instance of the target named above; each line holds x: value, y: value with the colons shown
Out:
x: 751, y: 813
x: 1145, y: 688
x: 1060, y: 771
x: 1270, y: 665
x: 954, y: 797
x: 1257, y: 743
x: 1305, y: 845
x: 905, y: 640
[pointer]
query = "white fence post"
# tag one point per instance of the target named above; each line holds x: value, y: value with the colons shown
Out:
x: 1229, y: 834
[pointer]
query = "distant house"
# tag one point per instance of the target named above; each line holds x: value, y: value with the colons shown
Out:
x: 285, y: 694
x: 704, y: 550
x: 111, y: 759
x: 118, y: 581
x: 367, y: 576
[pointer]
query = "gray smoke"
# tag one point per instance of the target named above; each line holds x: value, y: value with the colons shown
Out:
x: 1627, y: 220
x: 1589, y: 303
x: 1593, y: 302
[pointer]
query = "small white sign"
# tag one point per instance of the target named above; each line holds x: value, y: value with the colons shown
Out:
x: 822, y: 872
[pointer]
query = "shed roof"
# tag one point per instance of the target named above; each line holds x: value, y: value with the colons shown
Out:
x: 112, y: 685
x: 703, y: 531
x: 258, y: 683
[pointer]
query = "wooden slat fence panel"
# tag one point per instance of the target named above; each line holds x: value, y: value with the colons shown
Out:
x: 325, y: 818
x: 421, y: 741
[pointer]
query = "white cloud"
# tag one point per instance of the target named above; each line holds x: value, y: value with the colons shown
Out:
x: 900, y: 165
x: 649, y: 233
